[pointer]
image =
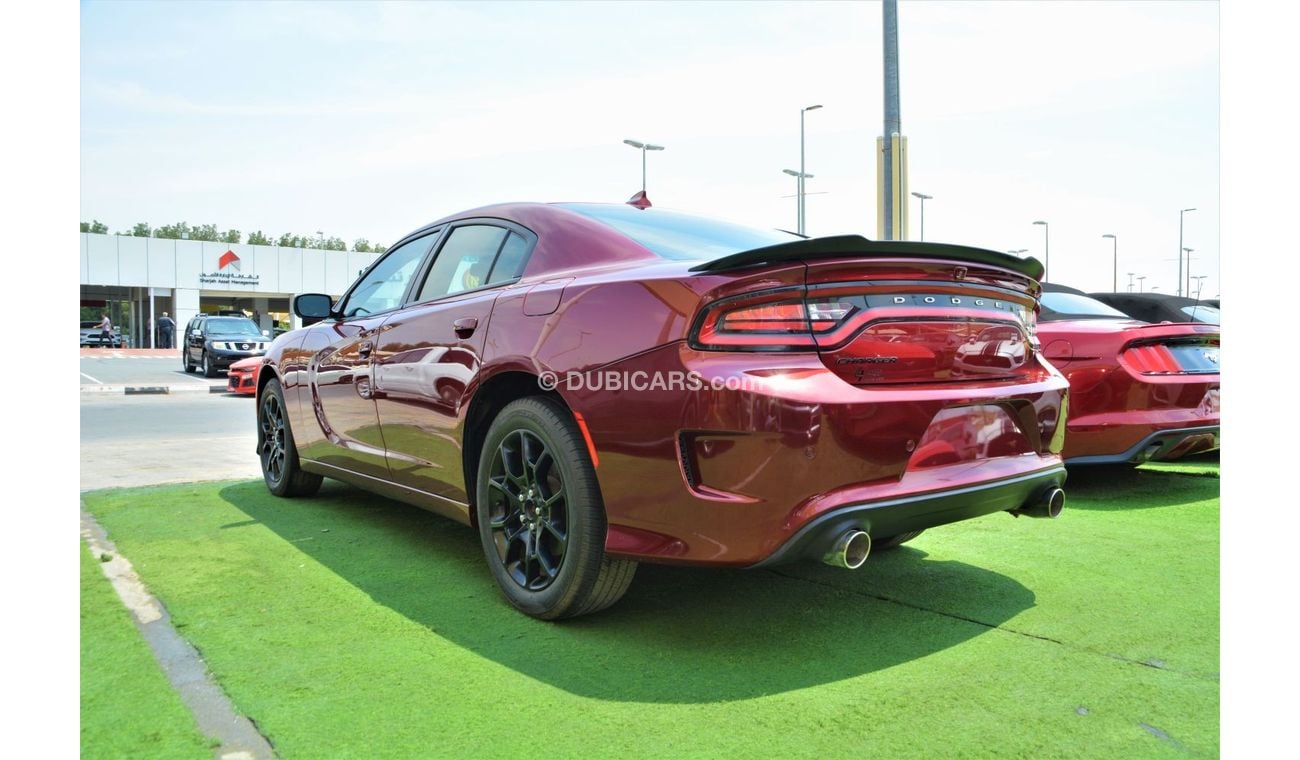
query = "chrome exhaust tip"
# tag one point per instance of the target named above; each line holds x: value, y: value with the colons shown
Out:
x: 1049, y: 505
x: 850, y: 550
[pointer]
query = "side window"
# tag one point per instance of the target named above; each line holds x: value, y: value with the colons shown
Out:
x: 510, y: 262
x: 383, y: 286
x: 464, y: 261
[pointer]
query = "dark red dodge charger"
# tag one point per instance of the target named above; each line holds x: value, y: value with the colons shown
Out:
x: 594, y: 386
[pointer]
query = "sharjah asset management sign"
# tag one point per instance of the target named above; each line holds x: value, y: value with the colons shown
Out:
x: 228, y: 273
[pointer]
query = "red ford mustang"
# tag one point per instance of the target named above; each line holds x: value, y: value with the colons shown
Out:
x: 1138, y: 391
x: 594, y: 386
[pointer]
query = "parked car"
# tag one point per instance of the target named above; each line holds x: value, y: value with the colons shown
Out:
x: 1158, y: 307
x: 91, y: 335
x: 212, y: 344
x: 241, y: 378
x: 605, y: 385
x: 1138, y: 391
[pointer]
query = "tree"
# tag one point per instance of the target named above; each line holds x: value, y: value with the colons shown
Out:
x: 97, y: 227
x: 206, y: 232
x: 230, y: 236
x: 258, y: 238
x: 141, y: 229
x: 381, y: 248
x: 175, y: 231
x: 362, y: 245
x: 335, y: 244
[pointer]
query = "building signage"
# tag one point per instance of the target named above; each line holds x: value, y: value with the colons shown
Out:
x: 228, y: 273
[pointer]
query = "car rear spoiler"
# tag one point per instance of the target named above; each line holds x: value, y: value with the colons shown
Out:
x: 856, y: 246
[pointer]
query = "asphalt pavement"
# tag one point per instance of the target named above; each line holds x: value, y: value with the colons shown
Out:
x: 108, y: 371
x: 149, y: 439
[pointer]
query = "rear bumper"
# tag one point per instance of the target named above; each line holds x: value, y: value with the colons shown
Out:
x: 891, y: 517
x: 1161, y: 445
x: 728, y: 473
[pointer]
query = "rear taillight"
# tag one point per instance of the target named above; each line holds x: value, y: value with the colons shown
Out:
x: 1172, y: 359
x: 789, y: 323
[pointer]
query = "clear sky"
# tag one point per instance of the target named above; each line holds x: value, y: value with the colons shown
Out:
x: 367, y: 120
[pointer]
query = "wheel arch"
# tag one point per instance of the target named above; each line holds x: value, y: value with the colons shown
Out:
x: 265, y: 375
x: 491, y: 397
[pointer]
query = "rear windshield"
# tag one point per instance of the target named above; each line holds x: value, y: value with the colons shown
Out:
x: 231, y: 326
x: 1202, y: 313
x: 681, y: 237
x: 1071, y: 306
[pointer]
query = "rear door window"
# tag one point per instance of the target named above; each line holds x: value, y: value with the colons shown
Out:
x: 465, y: 261
x: 510, y: 262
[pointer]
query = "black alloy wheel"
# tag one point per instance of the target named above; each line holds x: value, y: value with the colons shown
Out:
x: 276, y: 450
x: 208, y: 369
x: 528, y: 510
x: 540, y: 516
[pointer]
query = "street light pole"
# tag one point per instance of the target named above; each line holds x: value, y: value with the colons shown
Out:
x: 1188, y: 253
x: 803, y: 170
x: 1199, y: 283
x: 643, y: 147
x: 1114, y: 277
x: 799, y: 177
x: 1047, y: 255
x: 1130, y: 282
x: 1019, y: 252
x: 923, y: 198
x: 1181, y: 249
x: 1140, y: 288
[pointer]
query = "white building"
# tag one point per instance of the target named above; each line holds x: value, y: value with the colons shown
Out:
x: 136, y: 279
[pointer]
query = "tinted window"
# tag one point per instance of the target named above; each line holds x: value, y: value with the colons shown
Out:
x: 1071, y: 306
x: 463, y: 262
x: 511, y: 260
x: 1202, y: 313
x: 382, y: 287
x: 681, y: 237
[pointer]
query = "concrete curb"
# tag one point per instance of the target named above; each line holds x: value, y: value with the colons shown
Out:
x: 215, y: 715
x: 152, y: 390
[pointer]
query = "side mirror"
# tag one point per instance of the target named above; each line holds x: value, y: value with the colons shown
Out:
x: 312, y: 307
x: 266, y: 333
x: 196, y: 333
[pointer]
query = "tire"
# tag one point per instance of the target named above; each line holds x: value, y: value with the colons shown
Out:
x: 185, y: 361
x: 208, y: 369
x: 276, y: 449
x: 893, y: 542
x: 541, y: 519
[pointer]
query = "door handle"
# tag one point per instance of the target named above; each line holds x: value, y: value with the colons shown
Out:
x: 365, y: 348
x: 465, y: 326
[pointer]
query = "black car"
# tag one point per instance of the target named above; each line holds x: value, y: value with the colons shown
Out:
x: 91, y: 335
x: 1160, y: 307
x: 214, y: 343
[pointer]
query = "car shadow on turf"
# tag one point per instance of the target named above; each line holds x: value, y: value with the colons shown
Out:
x: 1148, y: 487
x: 681, y: 635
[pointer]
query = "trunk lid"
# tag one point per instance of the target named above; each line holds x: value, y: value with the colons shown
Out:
x: 925, y: 320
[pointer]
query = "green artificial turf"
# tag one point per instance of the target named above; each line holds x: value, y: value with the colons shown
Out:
x: 349, y: 625
x: 128, y: 709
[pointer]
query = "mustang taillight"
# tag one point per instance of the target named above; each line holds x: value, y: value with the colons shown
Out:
x: 1173, y: 359
x: 772, y: 325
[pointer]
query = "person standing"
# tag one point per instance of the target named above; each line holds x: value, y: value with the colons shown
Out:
x: 167, y: 326
x: 105, y: 332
